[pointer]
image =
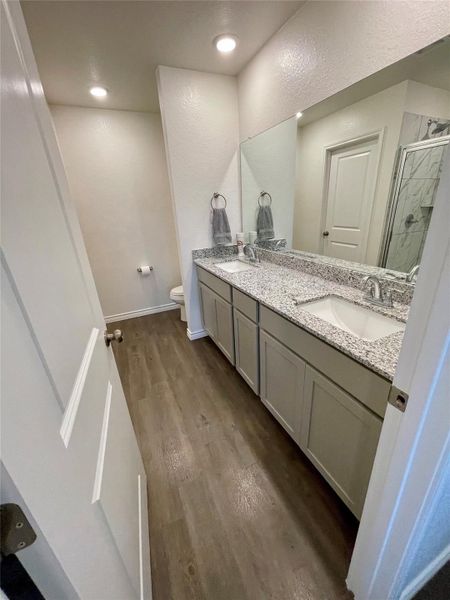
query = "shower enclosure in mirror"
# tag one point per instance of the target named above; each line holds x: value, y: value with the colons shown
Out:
x: 354, y: 177
x: 415, y: 185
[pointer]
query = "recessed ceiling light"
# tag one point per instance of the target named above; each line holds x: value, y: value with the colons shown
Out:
x: 299, y: 115
x: 98, y: 92
x: 225, y: 43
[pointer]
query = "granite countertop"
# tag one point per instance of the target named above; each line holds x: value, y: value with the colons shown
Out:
x: 281, y: 289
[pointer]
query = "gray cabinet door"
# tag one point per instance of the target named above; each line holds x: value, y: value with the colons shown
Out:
x: 340, y: 436
x: 224, y: 327
x: 208, y: 304
x: 246, y: 349
x: 282, y: 377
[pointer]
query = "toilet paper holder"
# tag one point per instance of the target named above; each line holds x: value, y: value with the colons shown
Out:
x: 139, y: 269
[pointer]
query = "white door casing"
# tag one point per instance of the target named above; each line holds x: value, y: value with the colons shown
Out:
x: 68, y: 444
x: 350, y: 182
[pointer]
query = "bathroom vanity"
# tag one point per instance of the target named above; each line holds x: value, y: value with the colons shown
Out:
x: 326, y: 387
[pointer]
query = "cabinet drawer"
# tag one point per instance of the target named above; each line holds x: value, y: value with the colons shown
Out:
x: 368, y: 387
x: 216, y: 284
x: 246, y: 305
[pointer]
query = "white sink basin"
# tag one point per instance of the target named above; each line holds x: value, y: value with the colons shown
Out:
x: 235, y: 266
x: 357, y: 320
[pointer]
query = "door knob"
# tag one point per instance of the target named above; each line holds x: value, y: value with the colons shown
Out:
x: 116, y: 336
x: 325, y: 233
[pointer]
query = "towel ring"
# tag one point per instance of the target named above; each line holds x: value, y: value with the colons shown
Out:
x: 215, y: 196
x: 261, y: 197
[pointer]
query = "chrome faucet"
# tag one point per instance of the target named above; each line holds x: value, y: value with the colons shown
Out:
x: 252, y: 251
x: 279, y: 244
x: 374, y: 293
x: 412, y: 275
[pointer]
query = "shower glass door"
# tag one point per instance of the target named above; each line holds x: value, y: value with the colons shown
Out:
x: 419, y: 171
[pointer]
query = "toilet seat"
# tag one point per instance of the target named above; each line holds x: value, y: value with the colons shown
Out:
x: 177, y: 295
x: 177, y: 291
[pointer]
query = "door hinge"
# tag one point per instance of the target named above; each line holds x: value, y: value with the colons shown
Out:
x: 16, y: 532
x: 398, y: 398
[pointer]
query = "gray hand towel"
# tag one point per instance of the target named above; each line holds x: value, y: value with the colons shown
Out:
x: 264, y: 223
x: 220, y: 226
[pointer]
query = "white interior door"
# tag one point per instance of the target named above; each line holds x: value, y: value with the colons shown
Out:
x: 68, y: 444
x: 404, y: 531
x: 352, y: 176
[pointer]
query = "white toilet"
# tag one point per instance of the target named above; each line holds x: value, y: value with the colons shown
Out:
x: 177, y: 295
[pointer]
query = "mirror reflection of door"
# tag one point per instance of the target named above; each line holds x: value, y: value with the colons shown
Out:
x: 338, y: 186
x: 419, y: 170
x: 352, y: 174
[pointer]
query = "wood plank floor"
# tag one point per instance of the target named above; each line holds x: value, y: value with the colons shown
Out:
x: 236, y: 510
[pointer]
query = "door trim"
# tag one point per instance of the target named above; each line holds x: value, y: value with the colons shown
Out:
x: 378, y: 136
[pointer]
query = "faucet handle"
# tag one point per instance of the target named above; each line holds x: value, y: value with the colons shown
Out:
x: 412, y: 275
x: 387, y: 299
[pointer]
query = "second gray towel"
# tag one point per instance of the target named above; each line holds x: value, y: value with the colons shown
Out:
x: 220, y: 226
x: 264, y: 223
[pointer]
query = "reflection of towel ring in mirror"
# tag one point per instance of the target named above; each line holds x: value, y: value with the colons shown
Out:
x: 215, y: 196
x: 261, y: 197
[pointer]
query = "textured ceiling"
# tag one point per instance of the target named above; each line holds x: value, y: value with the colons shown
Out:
x: 118, y: 44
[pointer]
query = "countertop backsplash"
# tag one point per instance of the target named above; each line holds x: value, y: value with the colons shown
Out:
x: 351, y: 275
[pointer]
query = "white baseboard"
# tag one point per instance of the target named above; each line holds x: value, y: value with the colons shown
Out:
x: 421, y: 579
x: 195, y: 335
x: 142, y: 312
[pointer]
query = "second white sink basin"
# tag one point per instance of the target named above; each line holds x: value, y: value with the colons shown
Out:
x: 357, y: 320
x: 235, y: 266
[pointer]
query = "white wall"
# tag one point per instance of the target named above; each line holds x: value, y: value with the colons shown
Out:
x: 427, y: 100
x: 380, y: 112
x: 268, y: 163
x: 116, y: 168
x: 201, y: 131
x: 327, y: 46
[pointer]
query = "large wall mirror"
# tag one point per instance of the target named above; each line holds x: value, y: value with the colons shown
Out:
x: 355, y: 176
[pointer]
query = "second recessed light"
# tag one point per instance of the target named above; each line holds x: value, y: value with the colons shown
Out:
x: 225, y: 43
x: 98, y: 92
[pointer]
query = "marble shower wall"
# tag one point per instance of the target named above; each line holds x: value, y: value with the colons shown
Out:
x: 420, y: 127
x: 418, y: 187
